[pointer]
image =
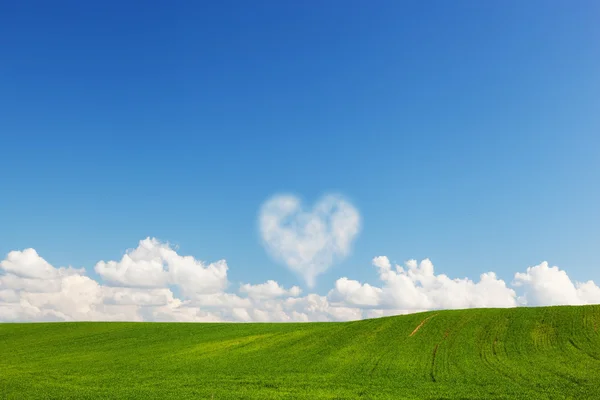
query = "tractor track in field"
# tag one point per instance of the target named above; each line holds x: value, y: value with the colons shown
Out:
x: 431, y: 369
x: 444, y: 339
x: 431, y: 372
x: 572, y: 343
x: 421, y: 324
x: 494, y: 367
x: 376, y: 364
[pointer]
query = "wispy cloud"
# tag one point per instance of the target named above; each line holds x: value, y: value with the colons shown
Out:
x: 308, y: 242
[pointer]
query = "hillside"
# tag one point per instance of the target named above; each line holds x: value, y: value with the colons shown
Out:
x: 549, y: 352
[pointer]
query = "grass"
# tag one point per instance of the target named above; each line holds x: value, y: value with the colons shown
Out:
x: 537, y: 353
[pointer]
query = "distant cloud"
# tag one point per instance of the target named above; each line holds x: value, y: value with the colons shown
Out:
x: 268, y: 290
x: 416, y: 287
x: 138, y: 288
x: 155, y: 264
x: 308, y: 242
x: 544, y: 285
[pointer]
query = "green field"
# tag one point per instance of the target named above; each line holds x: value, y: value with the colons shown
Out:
x: 549, y: 352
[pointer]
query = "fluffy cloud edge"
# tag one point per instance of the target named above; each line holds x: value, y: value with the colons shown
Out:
x: 308, y: 242
x: 141, y: 286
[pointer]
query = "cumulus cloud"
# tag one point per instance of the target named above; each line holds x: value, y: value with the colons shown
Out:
x: 352, y: 292
x: 154, y: 264
x: 136, y: 296
x: 308, y: 242
x: 138, y: 288
x: 268, y: 290
x: 154, y: 283
x: 27, y: 264
x: 417, y: 287
x: 544, y: 285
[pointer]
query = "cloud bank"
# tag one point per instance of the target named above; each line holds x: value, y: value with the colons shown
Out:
x: 308, y: 242
x: 141, y: 286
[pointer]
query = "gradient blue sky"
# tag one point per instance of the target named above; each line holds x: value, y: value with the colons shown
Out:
x: 464, y: 131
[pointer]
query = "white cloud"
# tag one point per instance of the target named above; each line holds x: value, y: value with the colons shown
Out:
x: 352, y: 292
x: 308, y: 242
x: 544, y: 285
x: 588, y: 292
x: 14, y: 282
x: 179, y: 311
x: 154, y: 264
x: 136, y: 296
x: 9, y: 296
x: 181, y: 288
x: 416, y: 287
x: 28, y: 264
x: 268, y: 290
x: 221, y: 301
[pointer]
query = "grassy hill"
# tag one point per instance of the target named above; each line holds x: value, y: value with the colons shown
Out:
x: 550, y: 352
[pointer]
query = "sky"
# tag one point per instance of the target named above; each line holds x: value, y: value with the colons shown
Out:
x: 312, y: 146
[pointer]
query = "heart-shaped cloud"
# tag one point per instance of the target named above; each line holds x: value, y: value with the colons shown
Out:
x: 308, y: 242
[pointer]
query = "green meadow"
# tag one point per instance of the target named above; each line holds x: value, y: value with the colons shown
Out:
x: 524, y: 353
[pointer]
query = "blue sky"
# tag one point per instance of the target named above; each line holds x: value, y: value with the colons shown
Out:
x: 467, y: 132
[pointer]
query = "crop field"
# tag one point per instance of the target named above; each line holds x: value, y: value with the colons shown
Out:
x: 537, y: 353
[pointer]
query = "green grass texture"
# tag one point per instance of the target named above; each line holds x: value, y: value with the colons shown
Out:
x: 518, y: 353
